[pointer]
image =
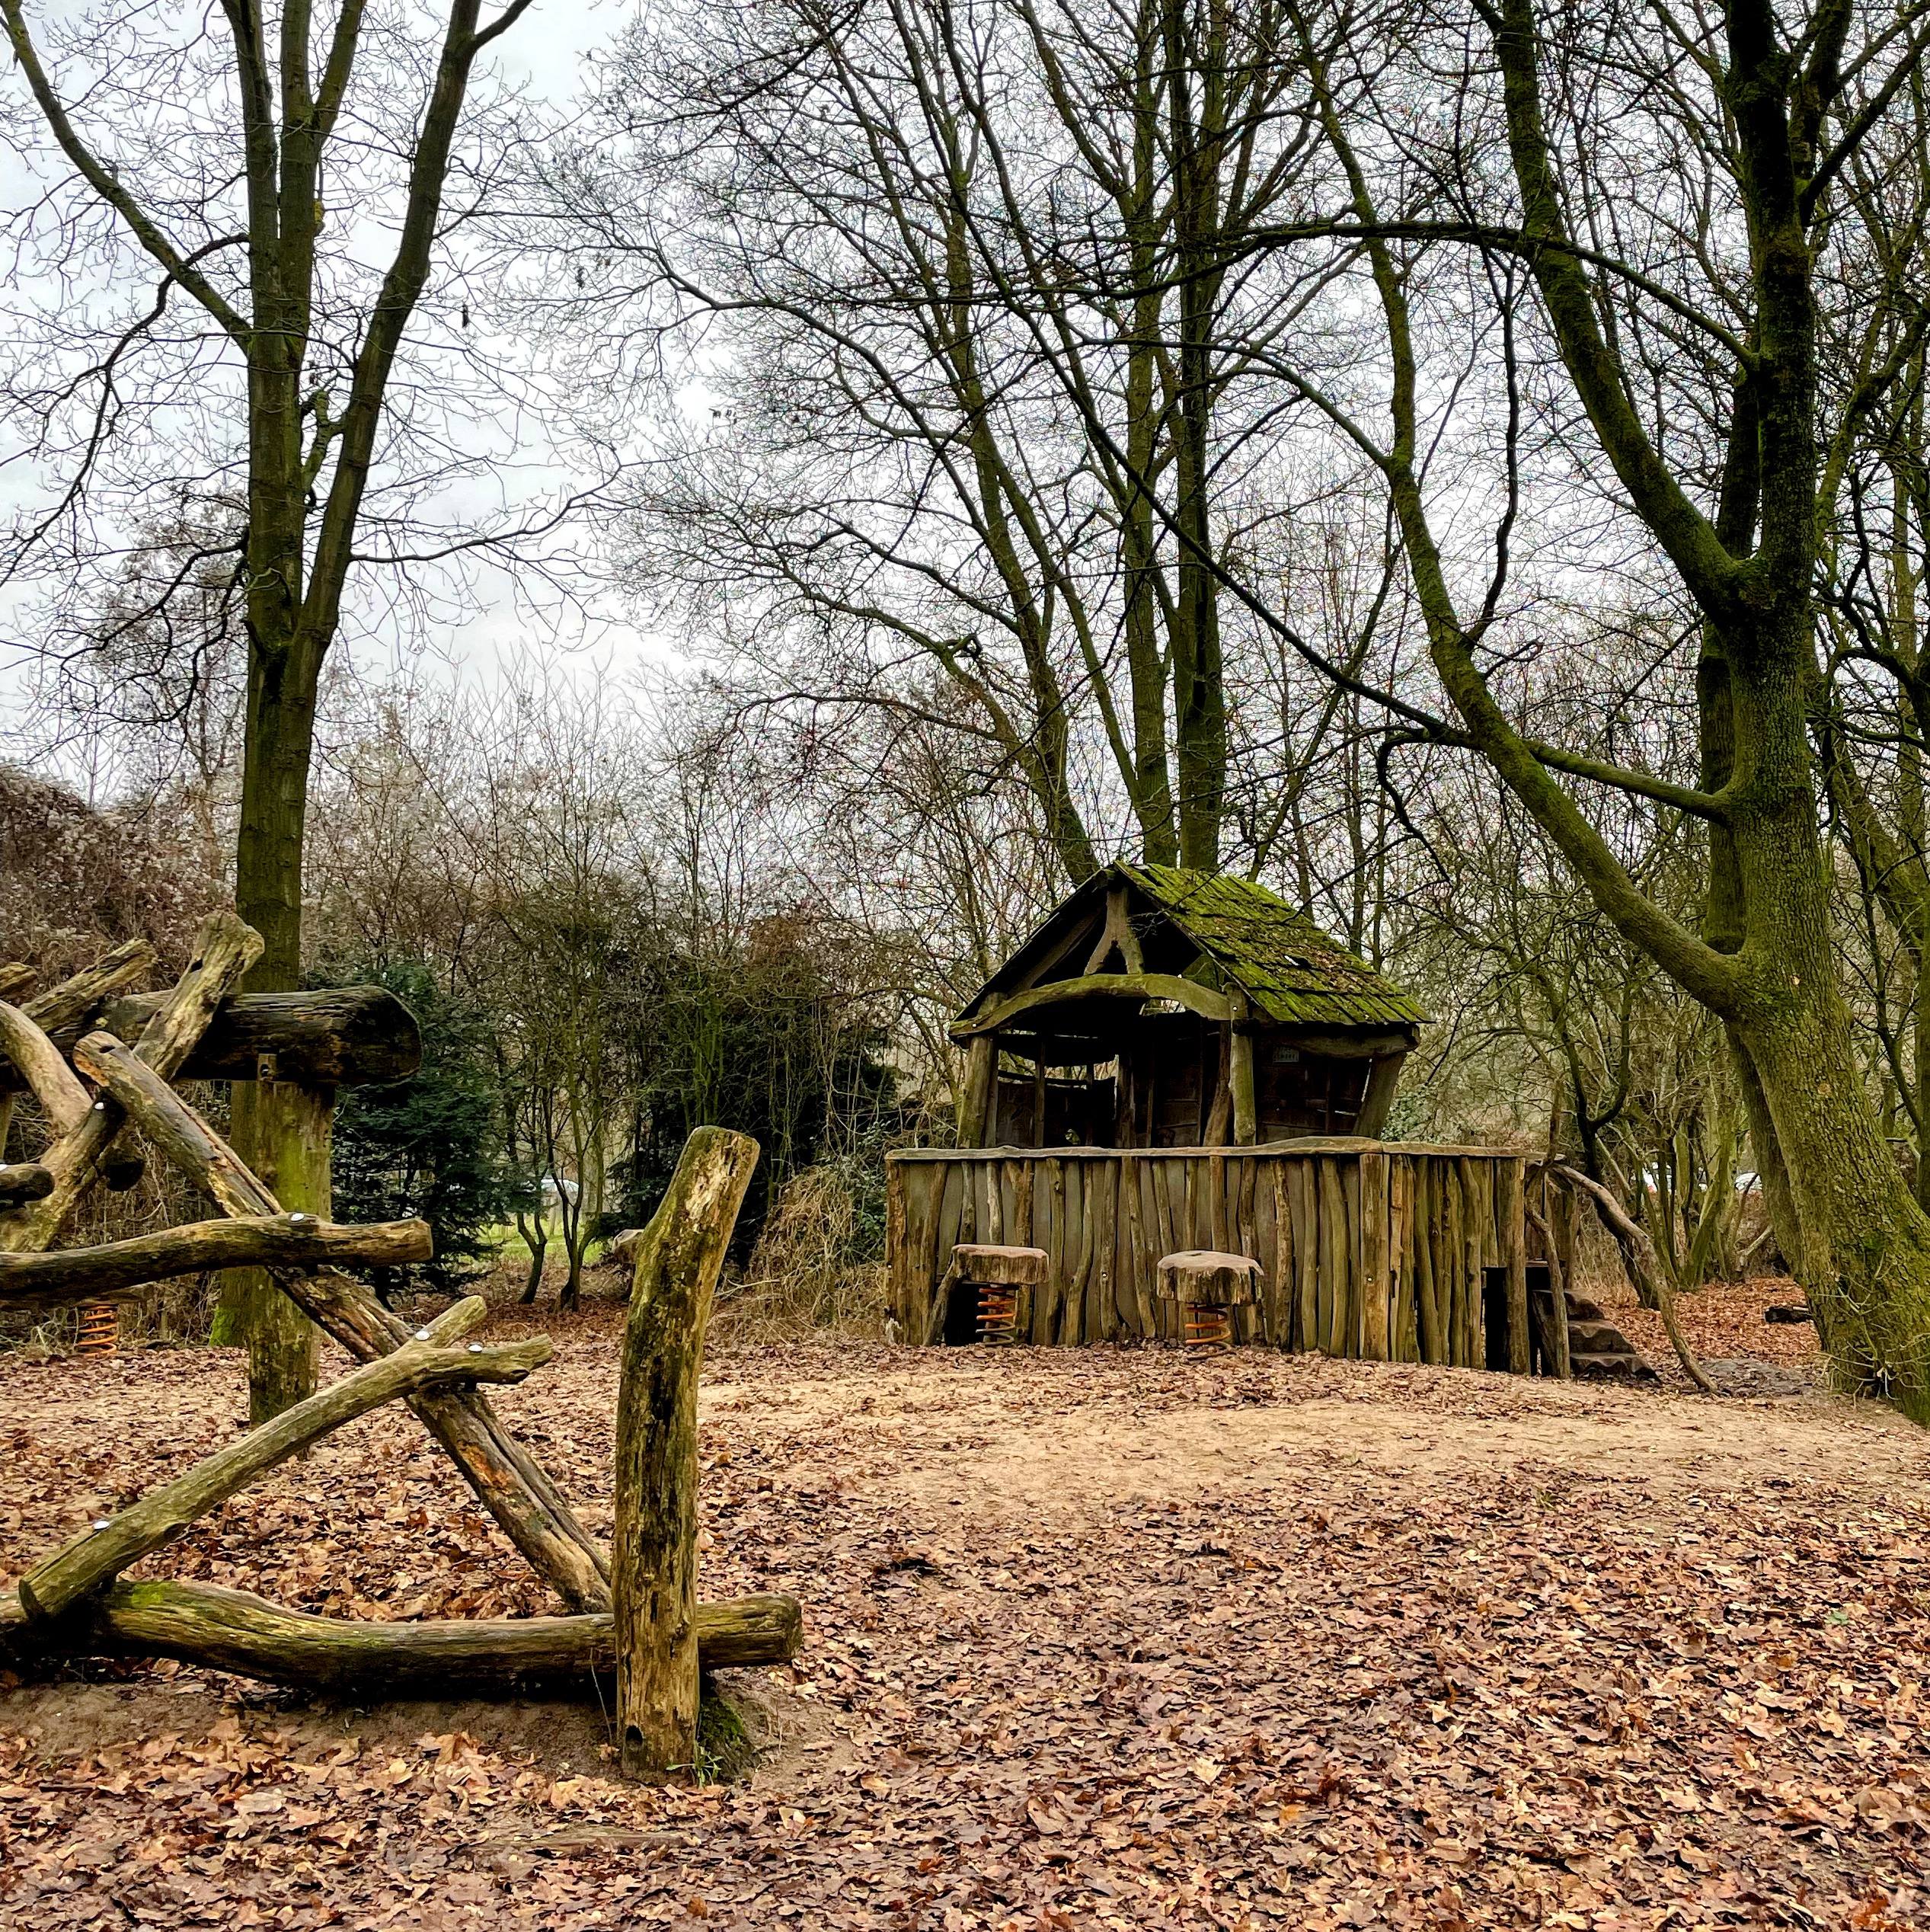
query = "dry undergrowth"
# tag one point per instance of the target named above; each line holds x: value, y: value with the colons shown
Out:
x: 1096, y: 1638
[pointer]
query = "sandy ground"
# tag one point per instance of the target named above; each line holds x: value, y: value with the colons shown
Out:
x: 1095, y: 1638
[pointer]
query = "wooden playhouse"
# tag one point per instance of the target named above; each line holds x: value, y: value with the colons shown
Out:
x: 1180, y: 1061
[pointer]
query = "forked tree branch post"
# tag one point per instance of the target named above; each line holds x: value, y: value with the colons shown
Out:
x: 654, y: 1561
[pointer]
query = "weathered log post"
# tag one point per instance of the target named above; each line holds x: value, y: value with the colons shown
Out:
x: 286, y: 1054
x: 288, y: 1128
x: 654, y: 1561
x: 975, y: 1100
x: 1239, y: 1046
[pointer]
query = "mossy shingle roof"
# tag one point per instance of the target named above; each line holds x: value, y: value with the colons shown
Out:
x: 1291, y: 970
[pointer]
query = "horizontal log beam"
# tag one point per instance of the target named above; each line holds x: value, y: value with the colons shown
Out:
x: 1293, y: 1150
x: 118, y: 1270
x: 336, y: 1036
x: 89, y: 1562
x: 1201, y: 999
x: 232, y: 1630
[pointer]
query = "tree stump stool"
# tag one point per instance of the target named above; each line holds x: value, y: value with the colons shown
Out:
x: 1208, y: 1286
x: 1004, y: 1277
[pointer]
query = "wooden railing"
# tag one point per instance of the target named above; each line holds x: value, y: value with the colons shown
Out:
x: 1373, y: 1249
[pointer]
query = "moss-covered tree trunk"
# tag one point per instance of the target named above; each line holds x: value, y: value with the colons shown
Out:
x: 1765, y: 962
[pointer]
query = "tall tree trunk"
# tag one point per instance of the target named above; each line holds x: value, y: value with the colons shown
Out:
x: 537, y: 1242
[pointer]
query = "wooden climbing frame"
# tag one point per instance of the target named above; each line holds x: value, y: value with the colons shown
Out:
x: 100, y: 1065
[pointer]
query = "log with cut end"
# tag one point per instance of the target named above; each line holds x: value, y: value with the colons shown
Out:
x: 232, y: 1630
x: 992, y: 1264
x: 1203, y: 1278
x: 332, y: 1036
x: 25, y: 1181
x: 117, y: 1269
x: 98, y: 1555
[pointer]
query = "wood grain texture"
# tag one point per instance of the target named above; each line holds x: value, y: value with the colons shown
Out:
x: 232, y: 1630
x: 653, y: 1560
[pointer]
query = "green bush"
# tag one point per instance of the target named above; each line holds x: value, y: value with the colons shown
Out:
x: 431, y: 1145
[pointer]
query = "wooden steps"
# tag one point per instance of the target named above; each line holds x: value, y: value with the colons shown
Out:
x: 1598, y: 1350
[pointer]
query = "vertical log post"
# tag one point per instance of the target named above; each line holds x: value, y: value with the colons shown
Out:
x: 654, y: 1563
x: 975, y: 1101
x: 1246, y: 1107
x: 289, y: 1129
x: 1511, y: 1204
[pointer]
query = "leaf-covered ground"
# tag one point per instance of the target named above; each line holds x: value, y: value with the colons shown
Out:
x: 1095, y: 1638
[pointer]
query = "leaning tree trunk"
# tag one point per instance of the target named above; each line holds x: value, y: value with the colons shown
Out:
x: 1850, y: 1226
x: 539, y: 1245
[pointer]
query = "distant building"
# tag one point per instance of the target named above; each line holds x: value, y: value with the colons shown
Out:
x: 1163, y: 1008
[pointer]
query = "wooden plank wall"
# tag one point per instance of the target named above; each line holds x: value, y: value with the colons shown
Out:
x: 1371, y: 1251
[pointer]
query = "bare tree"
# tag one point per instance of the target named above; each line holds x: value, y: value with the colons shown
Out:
x: 246, y: 179
x: 912, y: 249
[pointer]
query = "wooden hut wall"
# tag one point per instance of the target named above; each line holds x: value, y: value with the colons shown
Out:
x: 1372, y: 1252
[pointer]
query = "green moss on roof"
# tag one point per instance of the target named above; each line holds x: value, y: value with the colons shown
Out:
x: 1290, y: 970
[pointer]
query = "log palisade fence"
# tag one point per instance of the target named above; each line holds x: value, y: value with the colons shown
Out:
x: 101, y: 1068
x: 1371, y: 1249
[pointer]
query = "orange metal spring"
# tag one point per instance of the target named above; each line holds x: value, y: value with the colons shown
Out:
x: 998, y: 1314
x: 1208, y: 1327
x: 100, y: 1329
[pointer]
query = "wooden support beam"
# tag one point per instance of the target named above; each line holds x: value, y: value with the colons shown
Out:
x: 232, y: 1630
x: 1201, y: 999
x: 654, y: 1556
x: 329, y: 1037
x: 515, y: 1491
x: 95, y: 1557
x: 1511, y: 1211
x: 1246, y: 1105
x: 975, y: 1100
x: 1377, y: 1100
x: 118, y: 1270
x: 1116, y: 936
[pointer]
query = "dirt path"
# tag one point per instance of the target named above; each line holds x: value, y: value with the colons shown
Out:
x: 1097, y: 1638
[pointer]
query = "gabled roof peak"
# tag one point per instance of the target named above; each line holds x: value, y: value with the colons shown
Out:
x: 1293, y: 973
